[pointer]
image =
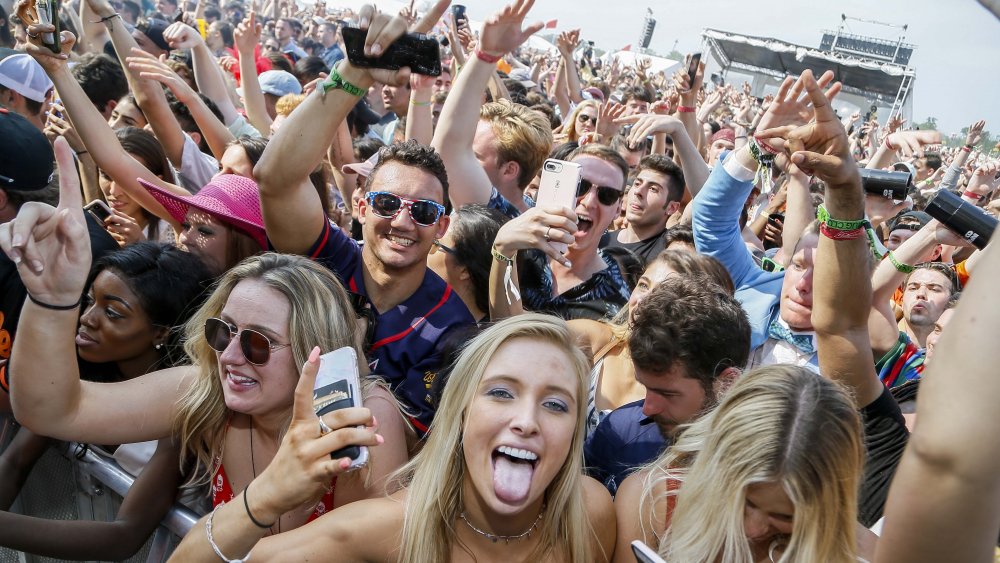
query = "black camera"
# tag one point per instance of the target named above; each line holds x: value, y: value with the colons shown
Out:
x: 962, y: 217
x: 892, y: 185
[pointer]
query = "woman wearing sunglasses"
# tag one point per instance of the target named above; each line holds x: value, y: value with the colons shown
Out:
x: 583, y: 120
x: 500, y: 477
x: 127, y: 329
x: 462, y: 256
x: 229, y: 408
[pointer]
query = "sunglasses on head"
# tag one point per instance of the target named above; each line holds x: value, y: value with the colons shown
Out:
x: 255, y: 346
x: 584, y: 118
x: 605, y: 195
x: 424, y: 212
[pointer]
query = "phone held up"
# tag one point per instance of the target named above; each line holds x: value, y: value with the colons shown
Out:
x: 693, y: 67
x: 416, y: 51
x: 338, y: 386
x: 645, y: 554
x: 99, y: 210
x: 557, y: 188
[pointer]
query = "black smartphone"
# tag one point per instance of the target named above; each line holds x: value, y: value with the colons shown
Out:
x: 98, y: 209
x: 458, y: 15
x: 693, y: 67
x: 419, y: 52
x: 776, y: 219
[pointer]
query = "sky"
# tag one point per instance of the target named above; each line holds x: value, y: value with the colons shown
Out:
x: 957, y: 55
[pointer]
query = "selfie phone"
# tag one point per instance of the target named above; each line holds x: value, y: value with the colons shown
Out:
x: 419, y: 52
x: 338, y: 386
x: 693, y: 67
x: 557, y: 188
x: 645, y: 554
x: 98, y: 209
x: 776, y: 219
x: 458, y: 15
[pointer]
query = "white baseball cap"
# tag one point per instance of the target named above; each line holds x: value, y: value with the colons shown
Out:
x: 24, y: 75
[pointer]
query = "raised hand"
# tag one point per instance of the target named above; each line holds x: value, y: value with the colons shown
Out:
x: 56, y: 126
x: 911, y: 143
x: 607, y: 114
x: 124, y: 229
x: 247, y: 34
x: 895, y: 124
x: 644, y: 125
x: 984, y: 179
x: 536, y: 228
x: 49, y: 244
x: 301, y: 470
x: 430, y: 19
x: 152, y: 68
x: 975, y: 134
x: 567, y: 41
x: 48, y: 60
x: 502, y: 32
x: 820, y: 146
x: 180, y: 35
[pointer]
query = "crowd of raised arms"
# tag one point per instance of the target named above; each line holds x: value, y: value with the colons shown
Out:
x: 714, y: 346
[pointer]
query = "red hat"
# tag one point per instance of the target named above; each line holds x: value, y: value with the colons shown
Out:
x: 232, y: 199
x: 725, y: 134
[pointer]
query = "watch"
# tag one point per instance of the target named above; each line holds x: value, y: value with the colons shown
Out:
x: 336, y: 82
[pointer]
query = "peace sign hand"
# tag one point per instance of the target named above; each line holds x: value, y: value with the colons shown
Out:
x: 50, y: 245
x: 301, y: 471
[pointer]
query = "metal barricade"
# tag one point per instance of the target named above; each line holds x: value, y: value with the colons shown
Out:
x: 73, y: 482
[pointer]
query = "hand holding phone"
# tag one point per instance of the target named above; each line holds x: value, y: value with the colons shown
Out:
x: 338, y: 387
x: 418, y: 52
x: 693, y: 64
x: 558, y: 188
x: 99, y: 210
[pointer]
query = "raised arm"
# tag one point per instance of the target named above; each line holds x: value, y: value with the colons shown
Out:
x: 693, y: 165
x: 101, y: 142
x: 953, y: 445
x: 289, y: 202
x: 459, y: 118
x: 419, y: 124
x: 51, y: 249
x: 842, y: 286
x: 247, y: 37
x: 207, y: 74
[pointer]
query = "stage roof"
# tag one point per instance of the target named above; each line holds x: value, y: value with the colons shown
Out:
x: 779, y: 58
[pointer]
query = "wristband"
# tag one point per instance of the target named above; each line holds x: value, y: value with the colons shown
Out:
x: 487, y: 58
x: 764, y: 145
x: 836, y: 224
x: 106, y: 19
x: 971, y: 195
x: 419, y: 104
x: 764, y: 161
x: 501, y: 257
x: 888, y: 145
x: 967, y: 148
x: 841, y: 234
x: 900, y: 266
x: 686, y: 109
x: 246, y: 505
x: 51, y: 307
x: 336, y: 82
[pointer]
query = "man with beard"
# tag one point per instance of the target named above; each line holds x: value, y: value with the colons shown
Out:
x: 688, y: 340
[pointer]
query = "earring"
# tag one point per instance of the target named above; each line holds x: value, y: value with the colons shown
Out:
x: 158, y: 346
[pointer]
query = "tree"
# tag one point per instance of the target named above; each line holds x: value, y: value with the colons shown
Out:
x: 930, y: 124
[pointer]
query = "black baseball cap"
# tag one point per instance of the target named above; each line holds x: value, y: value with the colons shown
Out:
x: 154, y: 28
x: 26, y: 158
x: 909, y: 220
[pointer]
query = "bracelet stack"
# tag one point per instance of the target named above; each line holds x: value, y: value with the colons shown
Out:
x: 764, y: 155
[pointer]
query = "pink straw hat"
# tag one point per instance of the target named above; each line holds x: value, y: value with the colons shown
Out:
x: 232, y: 199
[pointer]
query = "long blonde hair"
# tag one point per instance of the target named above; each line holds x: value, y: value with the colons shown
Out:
x: 435, y: 475
x: 570, y: 129
x: 321, y: 315
x: 779, y: 424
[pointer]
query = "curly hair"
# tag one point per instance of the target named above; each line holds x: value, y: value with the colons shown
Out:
x: 412, y: 153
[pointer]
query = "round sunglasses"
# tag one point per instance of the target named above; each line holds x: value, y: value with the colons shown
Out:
x: 584, y: 118
x: 424, y: 212
x: 255, y: 346
x: 605, y: 194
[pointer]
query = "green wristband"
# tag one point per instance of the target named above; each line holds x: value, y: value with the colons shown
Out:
x: 836, y: 224
x: 336, y: 82
x: 900, y: 267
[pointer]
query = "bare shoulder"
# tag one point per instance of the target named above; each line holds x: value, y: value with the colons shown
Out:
x: 601, y: 513
x: 590, y: 335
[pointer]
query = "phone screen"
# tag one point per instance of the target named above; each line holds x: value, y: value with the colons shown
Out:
x: 557, y: 188
x: 693, y: 67
x: 418, y: 52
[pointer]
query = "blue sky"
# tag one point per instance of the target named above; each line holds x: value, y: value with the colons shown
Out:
x: 957, y: 59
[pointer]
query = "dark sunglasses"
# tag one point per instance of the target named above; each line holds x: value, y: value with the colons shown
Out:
x: 605, y: 195
x: 584, y: 118
x: 363, y: 310
x: 255, y: 346
x: 424, y: 212
x: 445, y: 249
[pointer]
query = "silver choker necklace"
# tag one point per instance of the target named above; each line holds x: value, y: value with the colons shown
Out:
x: 507, y: 539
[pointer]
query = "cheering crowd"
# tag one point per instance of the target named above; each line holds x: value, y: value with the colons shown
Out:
x: 722, y: 343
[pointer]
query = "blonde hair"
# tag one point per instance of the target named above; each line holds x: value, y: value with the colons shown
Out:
x: 570, y: 128
x: 779, y: 424
x: 320, y: 315
x: 435, y: 476
x: 287, y: 104
x: 522, y: 136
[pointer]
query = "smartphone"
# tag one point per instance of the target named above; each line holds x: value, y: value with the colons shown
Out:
x: 557, y: 188
x: 419, y: 52
x: 645, y: 554
x: 98, y: 209
x: 338, y: 386
x: 48, y: 12
x: 776, y: 219
x: 458, y: 15
x: 693, y: 67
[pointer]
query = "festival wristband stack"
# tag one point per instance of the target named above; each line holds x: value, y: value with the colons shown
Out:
x: 336, y: 82
x: 764, y: 155
x: 836, y: 229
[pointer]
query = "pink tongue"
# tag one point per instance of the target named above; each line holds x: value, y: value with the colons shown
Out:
x: 511, y: 479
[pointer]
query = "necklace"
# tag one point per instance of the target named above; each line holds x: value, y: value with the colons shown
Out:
x: 253, y: 466
x: 494, y: 538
